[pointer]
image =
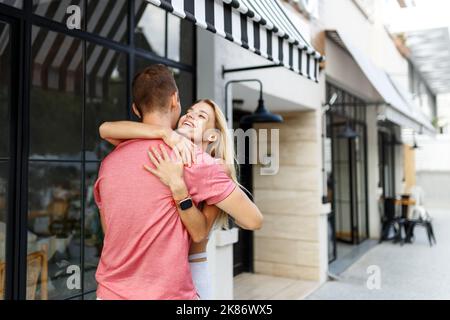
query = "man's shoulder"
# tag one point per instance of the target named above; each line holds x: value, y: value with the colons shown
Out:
x: 128, y: 149
x: 137, y: 144
x: 132, y: 145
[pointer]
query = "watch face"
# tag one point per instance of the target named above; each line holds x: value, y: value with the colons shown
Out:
x: 186, y: 204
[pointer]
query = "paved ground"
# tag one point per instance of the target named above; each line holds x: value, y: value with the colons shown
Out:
x: 414, y: 271
x: 261, y: 287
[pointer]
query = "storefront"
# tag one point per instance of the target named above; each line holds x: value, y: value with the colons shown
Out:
x: 365, y: 157
x: 60, y: 82
x: 57, y: 87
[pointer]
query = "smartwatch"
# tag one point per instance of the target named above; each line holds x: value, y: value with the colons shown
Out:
x: 186, y: 204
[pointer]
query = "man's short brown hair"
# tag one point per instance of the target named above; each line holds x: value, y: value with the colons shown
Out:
x: 153, y: 88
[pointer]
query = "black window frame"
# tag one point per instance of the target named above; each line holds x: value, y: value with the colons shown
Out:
x: 22, y: 21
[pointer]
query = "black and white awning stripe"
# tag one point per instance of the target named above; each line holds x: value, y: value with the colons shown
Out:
x: 261, y: 26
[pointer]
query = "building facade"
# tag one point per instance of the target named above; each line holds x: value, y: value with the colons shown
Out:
x: 339, y: 147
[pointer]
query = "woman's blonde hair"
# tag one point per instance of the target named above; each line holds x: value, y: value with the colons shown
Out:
x: 223, y: 149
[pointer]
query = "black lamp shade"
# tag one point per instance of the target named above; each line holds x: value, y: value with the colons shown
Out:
x: 348, y: 133
x: 261, y: 115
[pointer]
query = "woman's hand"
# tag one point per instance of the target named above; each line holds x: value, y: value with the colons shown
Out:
x: 185, y: 146
x: 169, y: 170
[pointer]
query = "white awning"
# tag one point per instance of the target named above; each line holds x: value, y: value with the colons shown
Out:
x: 398, y: 108
x: 261, y: 26
x: 430, y: 53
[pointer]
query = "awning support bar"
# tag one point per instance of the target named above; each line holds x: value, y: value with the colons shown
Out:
x: 225, y: 71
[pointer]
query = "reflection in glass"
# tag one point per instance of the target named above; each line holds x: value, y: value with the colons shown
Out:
x: 105, y: 97
x: 150, y: 31
x: 56, y: 96
x: 14, y: 3
x: 93, y: 230
x: 108, y: 19
x: 4, y: 168
x: 185, y: 83
x: 173, y: 41
x: 5, y: 106
x: 56, y: 10
x: 54, y: 231
x: 5, y: 88
x: 180, y: 40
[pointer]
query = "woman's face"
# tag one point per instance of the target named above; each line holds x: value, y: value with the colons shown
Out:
x: 199, y: 119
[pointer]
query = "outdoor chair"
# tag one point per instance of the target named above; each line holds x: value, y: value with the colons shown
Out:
x: 390, y: 221
x: 420, y: 217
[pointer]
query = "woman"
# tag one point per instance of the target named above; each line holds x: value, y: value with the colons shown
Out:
x: 205, y: 125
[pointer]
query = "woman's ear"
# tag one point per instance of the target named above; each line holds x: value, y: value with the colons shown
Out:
x: 212, y: 137
x: 136, y: 111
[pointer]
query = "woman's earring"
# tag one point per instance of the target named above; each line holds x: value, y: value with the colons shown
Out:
x: 212, y: 138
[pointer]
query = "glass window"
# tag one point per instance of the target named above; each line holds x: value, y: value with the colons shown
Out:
x: 164, y: 34
x: 57, y: 10
x: 106, y: 96
x: 173, y: 41
x: 14, y: 3
x: 56, y: 96
x: 4, y: 173
x: 54, y: 231
x: 5, y: 88
x: 185, y: 83
x: 93, y: 233
x: 180, y: 40
x: 75, y: 86
x: 150, y: 31
x: 5, y: 106
x: 108, y: 18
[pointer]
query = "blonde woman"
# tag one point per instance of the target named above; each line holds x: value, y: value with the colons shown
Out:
x: 204, y: 127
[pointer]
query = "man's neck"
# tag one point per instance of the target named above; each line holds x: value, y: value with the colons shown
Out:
x: 158, y: 119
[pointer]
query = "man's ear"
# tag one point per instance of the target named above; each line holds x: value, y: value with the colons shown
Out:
x: 175, y: 101
x: 136, y: 111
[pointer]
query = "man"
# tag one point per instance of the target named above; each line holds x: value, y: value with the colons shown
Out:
x: 145, y: 253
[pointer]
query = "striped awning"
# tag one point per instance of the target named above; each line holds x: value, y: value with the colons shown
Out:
x: 261, y: 26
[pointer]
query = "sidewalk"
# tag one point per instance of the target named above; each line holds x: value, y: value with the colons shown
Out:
x: 414, y: 271
x: 260, y: 287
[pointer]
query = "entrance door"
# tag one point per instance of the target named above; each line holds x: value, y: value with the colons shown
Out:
x: 349, y: 185
x: 243, y: 250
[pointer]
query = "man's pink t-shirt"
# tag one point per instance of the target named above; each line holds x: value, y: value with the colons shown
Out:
x: 146, y: 246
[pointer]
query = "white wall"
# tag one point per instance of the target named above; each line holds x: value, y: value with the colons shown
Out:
x: 384, y: 51
x: 344, y: 16
x: 373, y: 174
x: 342, y: 70
x: 291, y: 92
x: 433, y: 172
x: 426, y: 159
